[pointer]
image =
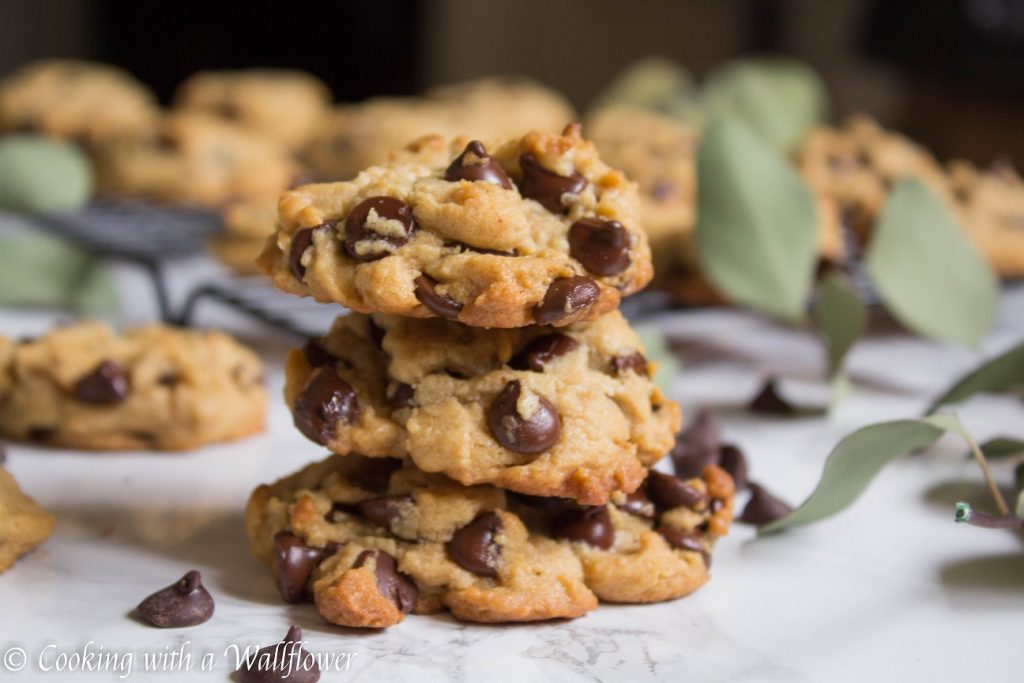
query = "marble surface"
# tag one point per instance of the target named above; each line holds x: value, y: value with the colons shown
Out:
x: 891, y: 589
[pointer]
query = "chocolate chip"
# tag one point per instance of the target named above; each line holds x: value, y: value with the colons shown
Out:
x: 473, y: 547
x: 546, y: 187
x: 475, y: 164
x: 566, y: 296
x: 592, y: 525
x: 316, y: 355
x: 325, y: 401
x: 185, y: 603
x: 670, y: 492
x: 638, y: 503
x: 302, y: 240
x: 543, y: 350
x: 383, y: 510
x: 682, y: 539
x: 376, y: 333
x: 733, y: 461
x: 769, y: 402
x: 41, y: 434
x: 374, y: 474
x: 392, y: 584
x: 284, y: 661
x: 763, y: 507
x: 401, y: 396
x: 437, y: 303
x: 601, y: 246
x: 294, y: 562
x: 106, y: 383
x: 634, y: 362
x: 534, y: 433
x: 364, y: 239
x: 697, y: 446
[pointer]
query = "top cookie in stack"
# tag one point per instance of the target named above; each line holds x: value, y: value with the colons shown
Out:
x: 533, y: 231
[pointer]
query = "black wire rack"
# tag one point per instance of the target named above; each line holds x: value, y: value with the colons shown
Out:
x: 150, y: 237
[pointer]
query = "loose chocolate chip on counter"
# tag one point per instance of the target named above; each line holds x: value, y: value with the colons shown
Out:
x: 543, y: 350
x: 566, y: 296
x: 106, y: 383
x: 763, y: 507
x: 370, y: 236
x: 634, y: 362
x: 547, y: 187
x: 294, y: 563
x: 383, y: 510
x: 301, y: 241
x: 440, y: 304
x: 638, y: 503
x: 601, y: 246
x: 473, y: 547
x: 392, y: 584
x: 284, y: 661
x: 669, y: 492
x: 475, y: 164
x: 682, y: 539
x: 698, y: 445
x: 185, y: 603
x: 734, y: 462
x: 769, y: 402
x: 316, y: 355
x: 592, y: 525
x: 401, y: 396
x: 327, y: 400
x: 528, y: 434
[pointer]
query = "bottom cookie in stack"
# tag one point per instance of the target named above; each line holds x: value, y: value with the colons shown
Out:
x: 370, y: 540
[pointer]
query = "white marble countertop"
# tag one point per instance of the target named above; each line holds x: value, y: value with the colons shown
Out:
x: 892, y: 589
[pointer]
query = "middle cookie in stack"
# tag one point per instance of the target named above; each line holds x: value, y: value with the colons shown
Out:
x: 488, y: 355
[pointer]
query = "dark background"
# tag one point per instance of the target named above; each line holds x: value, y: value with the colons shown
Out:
x: 948, y: 72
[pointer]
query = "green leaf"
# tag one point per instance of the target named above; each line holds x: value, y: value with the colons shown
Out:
x: 853, y: 464
x: 40, y: 175
x: 40, y: 270
x: 927, y: 273
x: 656, y: 83
x: 841, y: 317
x: 1001, y: 447
x: 1000, y: 374
x: 778, y: 98
x: 756, y: 222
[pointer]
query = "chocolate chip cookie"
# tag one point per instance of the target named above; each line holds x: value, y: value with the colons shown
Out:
x: 196, y: 159
x: 990, y: 205
x: 533, y: 231
x: 247, y: 225
x: 356, y: 136
x: 541, y: 410
x: 280, y: 104
x: 370, y: 540
x: 23, y: 523
x: 81, y: 101
x: 151, y: 388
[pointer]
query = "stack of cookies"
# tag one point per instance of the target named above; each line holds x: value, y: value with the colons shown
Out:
x: 491, y: 413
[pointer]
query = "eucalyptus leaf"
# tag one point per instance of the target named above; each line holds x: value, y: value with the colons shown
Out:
x: 756, y: 222
x: 1001, y: 447
x: 853, y: 464
x: 656, y: 83
x: 779, y: 98
x: 841, y: 316
x: 40, y: 175
x: 1003, y: 373
x: 928, y: 274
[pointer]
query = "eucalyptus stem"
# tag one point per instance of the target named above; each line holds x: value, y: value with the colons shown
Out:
x: 968, y: 515
x: 989, y: 479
